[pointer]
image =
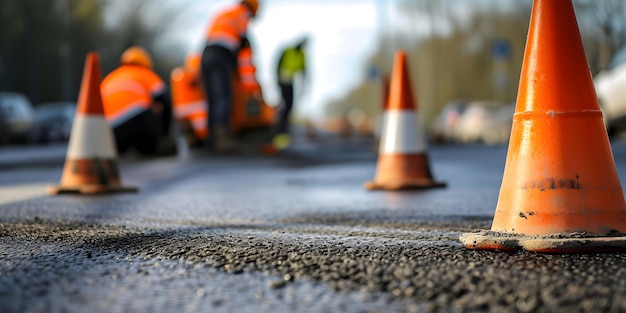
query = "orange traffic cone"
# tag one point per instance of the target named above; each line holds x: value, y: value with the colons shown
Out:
x: 90, y: 164
x: 402, y: 159
x: 560, y: 190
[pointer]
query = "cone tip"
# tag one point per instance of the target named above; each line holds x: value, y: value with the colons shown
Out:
x: 89, y: 99
x: 400, y: 89
x: 401, y: 55
x: 555, y: 56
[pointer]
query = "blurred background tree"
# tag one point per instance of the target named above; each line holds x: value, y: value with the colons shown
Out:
x: 468, y: 61
x: 604, y: 24
x: 43, y: 43
x: 448, y: 65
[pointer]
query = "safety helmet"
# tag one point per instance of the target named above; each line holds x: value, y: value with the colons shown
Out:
x: 136, y: 56
x: 253, y: 4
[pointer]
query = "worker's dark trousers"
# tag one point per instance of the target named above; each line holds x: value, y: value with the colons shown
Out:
x: 282, y: 124
x: 217, y: 71
x: 141, y: 132
x: 166, y: 118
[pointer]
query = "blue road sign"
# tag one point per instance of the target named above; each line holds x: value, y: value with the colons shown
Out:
x: 501, y: 49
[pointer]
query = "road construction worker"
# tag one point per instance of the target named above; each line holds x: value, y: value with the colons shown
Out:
x: 135, y: 103
x: 189, y: 101
x: 292, y: 62
x: 224, y: 38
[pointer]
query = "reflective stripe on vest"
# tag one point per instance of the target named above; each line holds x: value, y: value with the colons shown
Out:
x: 183, y: 110
x: 199, y: 123
x: 157, y: 90
x: 127, y: 113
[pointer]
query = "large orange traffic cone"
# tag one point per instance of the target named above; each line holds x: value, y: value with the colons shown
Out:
x: 90, y: 164
x: 402, y: 159
x: 560, y: 190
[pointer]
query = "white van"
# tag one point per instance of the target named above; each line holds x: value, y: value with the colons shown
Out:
x: 611, y: 91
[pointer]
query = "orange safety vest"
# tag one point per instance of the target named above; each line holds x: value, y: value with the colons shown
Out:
x: 189, y: 101
x: 129, y: 91
x: 229, y: 26
x: 247, y: 70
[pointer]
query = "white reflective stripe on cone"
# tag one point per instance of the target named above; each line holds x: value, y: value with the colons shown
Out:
x: 91, y: 137
x: 401, y: 133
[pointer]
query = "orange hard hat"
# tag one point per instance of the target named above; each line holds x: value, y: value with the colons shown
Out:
x: 136, y: 56
x: 254, y: 5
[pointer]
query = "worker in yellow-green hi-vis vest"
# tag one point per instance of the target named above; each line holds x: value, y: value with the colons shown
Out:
x: 292, y: 62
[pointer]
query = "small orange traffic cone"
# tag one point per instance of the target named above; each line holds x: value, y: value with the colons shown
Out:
x: 402, y: 159
x: 90, y: 164
x: 560, y: 190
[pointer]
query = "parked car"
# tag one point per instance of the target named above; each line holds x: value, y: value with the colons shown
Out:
x: 611, y: 91
x: 17, y: 118
x: 474, y: 121
x: 446, y: 123
x: 54, y: 121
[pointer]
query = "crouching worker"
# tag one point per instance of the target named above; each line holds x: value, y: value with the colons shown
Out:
x: 136, y: 105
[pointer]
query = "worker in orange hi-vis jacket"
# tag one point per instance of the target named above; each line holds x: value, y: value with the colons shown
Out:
x: 189, y: 102
x: 136, y: 104
x: 224, y: 38
x: 188, y: 98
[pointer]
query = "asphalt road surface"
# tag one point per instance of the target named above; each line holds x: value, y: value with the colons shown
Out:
x: 295, y: 232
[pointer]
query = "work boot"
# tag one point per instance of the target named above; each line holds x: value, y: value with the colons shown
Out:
x: 223, y: 141
x: 281, y: 141
x: 167, y: 146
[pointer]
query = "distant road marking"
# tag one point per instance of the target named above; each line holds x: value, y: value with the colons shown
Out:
x: 9, y: 194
